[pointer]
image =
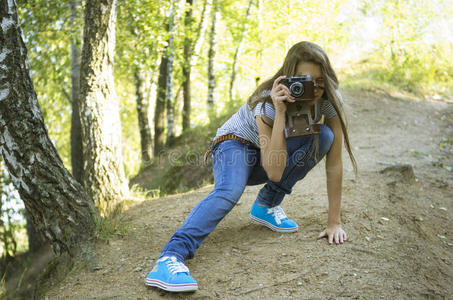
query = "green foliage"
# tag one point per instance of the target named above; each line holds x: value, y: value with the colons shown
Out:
x: 182, y: 168
x: 412, y: 47
x: 13, y: 237
x: 47, y: 33
x: 14, y: 240
x: 140, y: 34
x: 141, y: 38
x: 139, y: 192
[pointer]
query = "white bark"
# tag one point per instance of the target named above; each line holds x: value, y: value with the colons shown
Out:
x: 211, y: 59
x: 104, y: 175
x: 52, y: 198
x: 169, y: 79
x: 245, y: 26
x: 201, y: 32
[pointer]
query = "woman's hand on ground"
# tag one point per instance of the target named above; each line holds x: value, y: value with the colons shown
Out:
x: 280, y: 94
x: 334, y: 233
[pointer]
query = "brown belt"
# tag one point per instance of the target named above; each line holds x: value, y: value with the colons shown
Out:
x: 221, y: 139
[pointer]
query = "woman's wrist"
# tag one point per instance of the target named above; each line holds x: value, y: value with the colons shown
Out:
x: 280, y: 117
x: 279, y: 123
x: 334, y: 219
x: 280, y: 110
x: 333, y: 223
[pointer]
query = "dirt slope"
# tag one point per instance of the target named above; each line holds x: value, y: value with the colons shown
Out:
x: 399, y: 219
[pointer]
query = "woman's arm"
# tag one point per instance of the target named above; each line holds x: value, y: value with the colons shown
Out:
x: 272, y: 140
x: 273, y: 146
x: 334, y: 174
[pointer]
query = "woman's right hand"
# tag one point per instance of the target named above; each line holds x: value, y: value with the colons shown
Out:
x: 280, y: 94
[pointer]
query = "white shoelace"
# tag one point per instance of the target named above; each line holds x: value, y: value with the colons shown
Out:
x: 278, y: 214
x: 174, y: 266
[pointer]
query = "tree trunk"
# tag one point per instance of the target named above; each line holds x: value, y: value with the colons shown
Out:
x: 2, y: 181
x: 76, y: 133
x: 191, y: 52
x: 238, y: 49
x: 259, y: 52
x: 55, y: 201
x: 211, y: 62
x: 186, y: 68
x: 104, y: 176
x: 159, y: 112
x: 169, y: 91
x: 143, y: 119
x: 3, y: 239
x: 35, y: 240
x: 202, y: 27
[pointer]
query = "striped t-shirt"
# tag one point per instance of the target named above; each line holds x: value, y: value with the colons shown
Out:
x: 243, y: 122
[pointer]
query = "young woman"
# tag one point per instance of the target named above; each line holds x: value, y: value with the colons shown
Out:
x: 251, y: 148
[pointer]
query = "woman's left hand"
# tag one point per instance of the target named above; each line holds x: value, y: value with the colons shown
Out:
x: 334, y: 232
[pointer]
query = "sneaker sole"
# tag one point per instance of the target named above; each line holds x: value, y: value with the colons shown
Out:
x: 188, y: 287
x: 270, y: 226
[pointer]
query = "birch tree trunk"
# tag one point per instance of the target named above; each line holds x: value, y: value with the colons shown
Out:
x: 191, y: 52
x: 35, y: 240
x: 3, y: 239
x: 54, y: 200
x: 238, y: 49
x: 169, y: 79
x: 259, y: 52
x: 143, y: 119
x: 211, y: 61
x: 202, y: 27
x: 104, y: 176
x: 159, y: 112
x: 2, y: 185
x: 76, y: 133
x: 186, y: 68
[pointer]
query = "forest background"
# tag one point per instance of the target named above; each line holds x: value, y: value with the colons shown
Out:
x: 230, y: 46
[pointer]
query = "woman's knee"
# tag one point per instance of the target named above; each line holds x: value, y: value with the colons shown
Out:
x: 325, y: 140
x: 233, y: 194
x: 229, y: 194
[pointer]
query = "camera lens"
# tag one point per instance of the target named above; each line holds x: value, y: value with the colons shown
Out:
x: 296, y: 89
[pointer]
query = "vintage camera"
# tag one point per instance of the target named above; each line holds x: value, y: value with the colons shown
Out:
x: 301, y: 87
x: 299, y: 119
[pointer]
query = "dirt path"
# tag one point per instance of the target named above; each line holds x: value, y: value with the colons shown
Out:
x: 399, y: 220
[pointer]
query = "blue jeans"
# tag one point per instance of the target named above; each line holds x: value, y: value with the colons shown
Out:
x: 235, y: 165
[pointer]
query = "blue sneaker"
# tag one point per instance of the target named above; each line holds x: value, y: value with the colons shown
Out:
x: 171, y: 275
x: 273, y: 217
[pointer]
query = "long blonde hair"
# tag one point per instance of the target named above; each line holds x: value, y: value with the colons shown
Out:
x: 308, y: 52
